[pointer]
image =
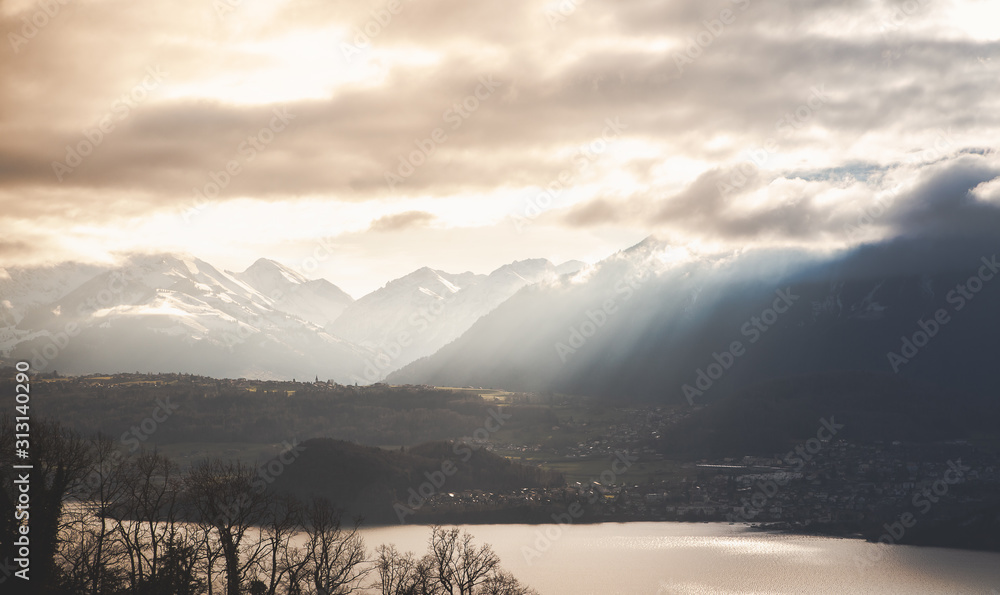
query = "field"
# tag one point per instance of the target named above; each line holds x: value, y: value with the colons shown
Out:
x: 488, y: 394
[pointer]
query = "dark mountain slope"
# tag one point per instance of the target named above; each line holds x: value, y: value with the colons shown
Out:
x: 846, y: 312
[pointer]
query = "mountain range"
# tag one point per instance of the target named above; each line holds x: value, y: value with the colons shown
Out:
x: 167, y: 312
x: 654, y: 322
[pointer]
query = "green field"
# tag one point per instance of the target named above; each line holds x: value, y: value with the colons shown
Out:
x: 488, y: 394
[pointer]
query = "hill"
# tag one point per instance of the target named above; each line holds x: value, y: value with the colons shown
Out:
x: 369, y: 481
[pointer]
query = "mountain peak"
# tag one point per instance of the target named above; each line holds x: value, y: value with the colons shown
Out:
x: 650, y: 242
x: 570, y: 266
x: 271, y: 268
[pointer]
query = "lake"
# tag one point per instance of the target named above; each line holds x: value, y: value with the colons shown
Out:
x: 712, y: 558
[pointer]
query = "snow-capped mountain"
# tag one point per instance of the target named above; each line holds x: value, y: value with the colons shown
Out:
x: 170, y: 313
x: 317, y: 301
x: 167, y: 312
x: 24, y: 288
x: 374, y: 317
x: 419, y: 313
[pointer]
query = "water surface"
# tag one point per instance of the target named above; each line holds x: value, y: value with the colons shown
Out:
x: 713, y: 558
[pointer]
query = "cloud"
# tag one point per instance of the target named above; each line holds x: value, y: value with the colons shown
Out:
x: 365, y: 95
x: 596, y: 212
x: 988, y: 192
x: 951, y: 196
x: 943, y: 202
x: 401, y: 221
x: 14, y: 249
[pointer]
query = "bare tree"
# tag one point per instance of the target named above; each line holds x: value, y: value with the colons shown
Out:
x: 230, y: 506
x: 424, y: 581
x: 336, y: 555
x: 105, y: 523
x: 452, y: 565
x: 396, y: 572
x: 295, y: 561
x: 459, y: 566
x: 163, y: 552
x: 281, y: 557
x: 176, y: 573
x: 104, y: 502
x: 503, y: 583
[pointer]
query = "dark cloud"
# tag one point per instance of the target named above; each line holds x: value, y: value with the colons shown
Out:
x: 942, y: 203
x: 401, y: 221
x: 596, y: 212
x: 14, y: 249
x: 939, y: 203
x: 709, y: 207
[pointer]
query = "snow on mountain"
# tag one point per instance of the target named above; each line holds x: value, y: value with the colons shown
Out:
x: 24, y: 288
x: 319, y: 302
x: 268, y: 273
x: 169, y: 313
x: 381, y: 314
x: 166, y: 312
x: 417, y: 314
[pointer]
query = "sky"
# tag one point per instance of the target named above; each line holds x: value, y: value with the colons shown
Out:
x: 359, y: 141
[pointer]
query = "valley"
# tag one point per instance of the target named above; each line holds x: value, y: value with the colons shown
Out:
x: 391, y: 453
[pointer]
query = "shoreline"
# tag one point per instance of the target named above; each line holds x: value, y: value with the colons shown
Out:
x: 783, y: 528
